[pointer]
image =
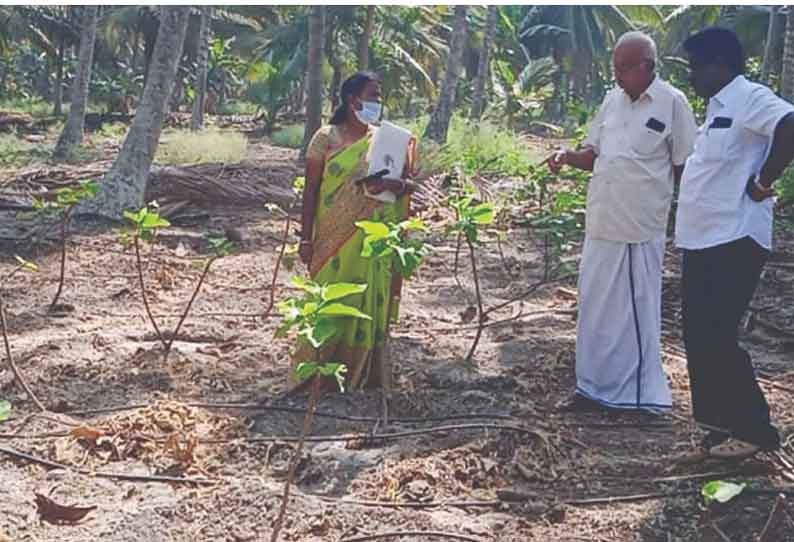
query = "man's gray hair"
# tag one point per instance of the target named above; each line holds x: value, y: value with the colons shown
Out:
x: 642, y: 39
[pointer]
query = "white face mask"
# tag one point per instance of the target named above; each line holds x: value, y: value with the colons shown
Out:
x: 370, y: 112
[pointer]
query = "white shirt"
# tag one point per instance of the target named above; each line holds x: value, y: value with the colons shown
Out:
x: 732, y: 145
x: 637, y: 143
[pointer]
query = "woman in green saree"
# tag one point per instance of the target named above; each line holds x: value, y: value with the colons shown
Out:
x: 331, y: 243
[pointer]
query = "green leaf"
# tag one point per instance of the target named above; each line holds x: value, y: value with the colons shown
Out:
x: 414, y: 224
x: 378, y: 230
x: 338, y: 290
x: 306, y: 370
x: 134, y: 217
x: 318, y: 334
x: 153, y: 220
x: 307, y: 286
x: 5, y: 410
x: 339, y: 309
x: 483, y: 213
x: 721, y: 491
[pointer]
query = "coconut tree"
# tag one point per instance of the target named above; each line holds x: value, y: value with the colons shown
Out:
x: 124, y: 185
x: 72, y: 134
x: 483, y: 67
x: 314, y: 76
x: 365, y: 37
x: 579, y: 39
x: 202, y: 54
x: 438, y: 126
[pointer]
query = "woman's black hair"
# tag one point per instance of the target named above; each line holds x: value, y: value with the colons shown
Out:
x: 353, y: 86
x: 714, y: 45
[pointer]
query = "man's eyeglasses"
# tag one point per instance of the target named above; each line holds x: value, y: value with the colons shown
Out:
x: 626, y: 69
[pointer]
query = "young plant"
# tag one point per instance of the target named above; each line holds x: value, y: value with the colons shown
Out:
x: 288, y: 252
x: 145, y: 224
x: 25, y: 265
x: 314, y: 373
x: 66, y: 199
x: 559, y: 219
x: 470, y: 217
x: 220, y: 247
x: 273, y: 208
x: 391, y: 241
x: 314, y: 316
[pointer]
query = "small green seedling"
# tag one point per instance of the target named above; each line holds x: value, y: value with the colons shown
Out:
x: 221, y: 247
x: 390, y: 241
x: 308, y: 370
x: 314, y: 315
x: 721, y: 491
x: 146, y: 222
x: 66, y: 199
x: 470, y: 217
x: 145, y: 225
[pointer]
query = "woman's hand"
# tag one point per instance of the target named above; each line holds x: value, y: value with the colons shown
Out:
x: 306, y: 251
x: 398, y: 187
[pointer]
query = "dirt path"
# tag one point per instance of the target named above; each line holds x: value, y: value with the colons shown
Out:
x: 103, y: 355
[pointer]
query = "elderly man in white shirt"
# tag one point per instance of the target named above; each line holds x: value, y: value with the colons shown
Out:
x: 636, y: 147
x: 724, y: 226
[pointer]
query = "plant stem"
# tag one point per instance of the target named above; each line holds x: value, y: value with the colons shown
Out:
x: 307, y: 424
x: 187, y: 309
x: 64, y: 227
x: 278, y: 265
x: 11, y: 363
x: 502, y: 258
x: 455, y: 268
x: 143, y: 293
x: 480, y: 314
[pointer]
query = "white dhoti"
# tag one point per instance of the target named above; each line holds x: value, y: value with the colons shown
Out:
x: 618, y: 340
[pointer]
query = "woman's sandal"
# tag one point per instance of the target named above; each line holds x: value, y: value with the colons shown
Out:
x: 734, y: 449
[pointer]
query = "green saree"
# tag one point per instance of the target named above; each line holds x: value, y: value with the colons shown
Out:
x: 337, y: 243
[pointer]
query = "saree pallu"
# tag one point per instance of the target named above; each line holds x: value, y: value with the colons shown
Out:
x: 360, y: 344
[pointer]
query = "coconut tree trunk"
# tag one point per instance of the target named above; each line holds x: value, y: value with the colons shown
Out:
x: 438, y: 126
x: 314, y: 79
x: 770, y: 42
x: 483, y: 66
x: 72, y: 134
x: 787, y: 77
x: 203, y: 55
x: 365, y: 38
x: 58, y: 98
x: 124, y: 185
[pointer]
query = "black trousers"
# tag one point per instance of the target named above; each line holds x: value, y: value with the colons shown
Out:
x: 718, y: 284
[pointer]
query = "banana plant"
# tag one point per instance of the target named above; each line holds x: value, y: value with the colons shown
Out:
x: 66, y: 199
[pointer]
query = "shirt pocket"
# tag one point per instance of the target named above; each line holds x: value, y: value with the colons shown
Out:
x: 649, y: 138
x: 715, y: 137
